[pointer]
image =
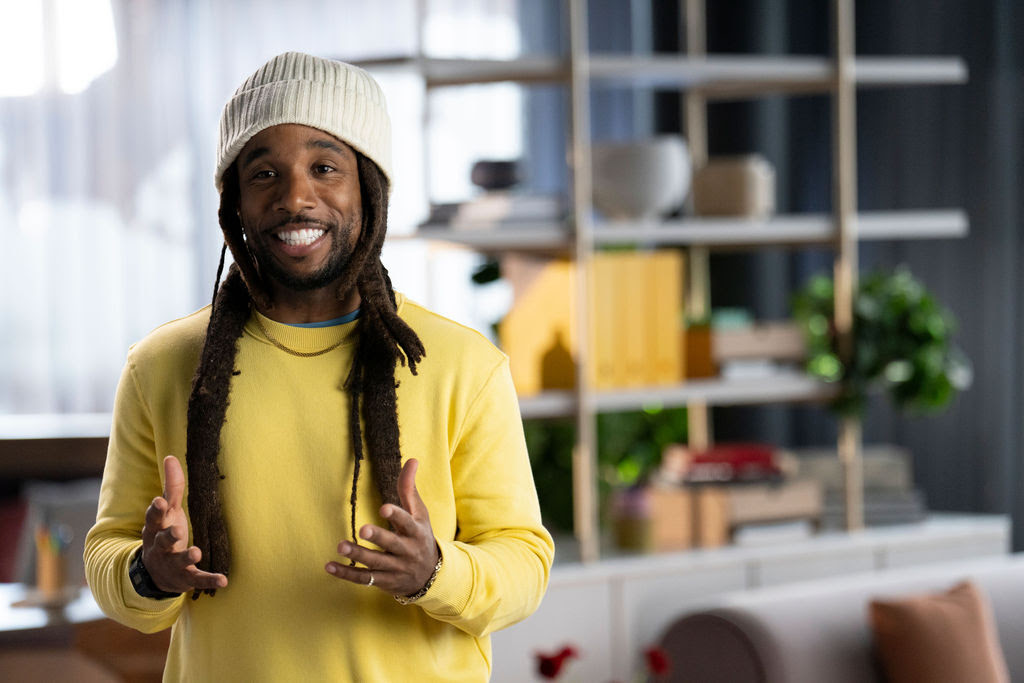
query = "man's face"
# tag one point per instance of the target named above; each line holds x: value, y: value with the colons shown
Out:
x: 299, y: 204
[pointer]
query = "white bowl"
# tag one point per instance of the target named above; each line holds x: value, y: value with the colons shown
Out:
x: 644, y: 179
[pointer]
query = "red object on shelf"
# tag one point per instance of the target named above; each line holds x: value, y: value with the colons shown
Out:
x: 733, y: 462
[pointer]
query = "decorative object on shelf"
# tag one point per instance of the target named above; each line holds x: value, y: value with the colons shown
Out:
x: 722, y: 463
x: 499, y: 209
x: 53, y: 587
x: 735, y: 186
x: 637, y: 312
x: 902, y: 341
x: 652, y: 518
x: 696, y: 346
x: 644, y: 179
x: 776, y: 340
x: 496, y: 174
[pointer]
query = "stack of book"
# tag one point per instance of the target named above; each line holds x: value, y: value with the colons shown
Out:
x: 890, y: 496
x: 497, y: 209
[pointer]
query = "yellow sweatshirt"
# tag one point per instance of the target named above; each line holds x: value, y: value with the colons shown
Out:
x: 288, y: 472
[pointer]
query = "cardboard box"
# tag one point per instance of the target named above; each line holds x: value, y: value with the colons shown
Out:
x: 773, y: 340
x: 722, y: 509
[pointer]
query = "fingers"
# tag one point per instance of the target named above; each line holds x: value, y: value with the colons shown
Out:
x: 407, y: 493
x: 408, y: 550
x: 167, y: 540
x: 200, y: 580
x: 174, y: 482
x: 360, y: 576
x: 401, y: 521
x: 155, y: 513
x: 177, y: 572
x: 372, y: 559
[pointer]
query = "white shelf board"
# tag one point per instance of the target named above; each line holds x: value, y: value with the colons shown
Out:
x: 438, y: 73
x: 785, y: 229
x: 547, y: 404
x: 58, y: 426
x: 745, y: 75
x: 781, y: 387
x: 717, y: 74
x: 792, y: 229
x: 514, y: 236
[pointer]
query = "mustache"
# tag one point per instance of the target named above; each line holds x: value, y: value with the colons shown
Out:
x: 303, y: 220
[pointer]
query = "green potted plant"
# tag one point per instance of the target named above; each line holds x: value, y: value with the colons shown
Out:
x: 902, y: 342
x: 629, y: 449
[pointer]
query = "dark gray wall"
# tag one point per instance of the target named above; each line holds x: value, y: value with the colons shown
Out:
x: 932, y: 147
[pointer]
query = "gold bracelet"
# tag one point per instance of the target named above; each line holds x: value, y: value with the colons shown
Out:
x: 408, y: 599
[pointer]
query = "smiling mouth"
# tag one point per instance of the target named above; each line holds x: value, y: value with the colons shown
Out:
x: 299, y: 238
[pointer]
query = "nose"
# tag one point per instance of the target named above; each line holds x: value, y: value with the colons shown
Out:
x: 296, y: 193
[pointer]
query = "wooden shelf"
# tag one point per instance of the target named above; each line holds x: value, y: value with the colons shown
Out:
x: 723, y: 233
x: 782, y: 387
x: 718, y: 76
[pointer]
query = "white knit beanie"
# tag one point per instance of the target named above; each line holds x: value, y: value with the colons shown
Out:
x: 335, y: 97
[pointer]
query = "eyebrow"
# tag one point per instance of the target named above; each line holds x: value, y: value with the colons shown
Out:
x: 338, y: 147
x: 323, y: 143
x: 254, y: 154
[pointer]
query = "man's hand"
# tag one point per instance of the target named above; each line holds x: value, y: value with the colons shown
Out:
x: 409, y: 549
x: 165, y: 550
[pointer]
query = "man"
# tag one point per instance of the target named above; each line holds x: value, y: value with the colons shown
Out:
x: 300, y: 565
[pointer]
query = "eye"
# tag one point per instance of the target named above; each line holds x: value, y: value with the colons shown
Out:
x: 265, y: 173
x: 323, y: 168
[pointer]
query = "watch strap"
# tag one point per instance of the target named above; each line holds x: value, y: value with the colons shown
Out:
x: 143, y: 583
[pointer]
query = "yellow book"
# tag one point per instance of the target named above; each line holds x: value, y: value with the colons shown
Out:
x: 602, y: 321
x: 664, y: 316
x: 630, y: 317
x: 537, y: 333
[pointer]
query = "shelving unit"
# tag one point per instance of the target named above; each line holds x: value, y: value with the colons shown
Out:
x: 702, y: 77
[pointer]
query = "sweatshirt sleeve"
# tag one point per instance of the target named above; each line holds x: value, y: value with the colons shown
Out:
x: 496, y: 570
x: 131, y: 479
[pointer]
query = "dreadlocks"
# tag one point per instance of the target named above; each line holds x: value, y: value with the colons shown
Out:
x: 384, y: 340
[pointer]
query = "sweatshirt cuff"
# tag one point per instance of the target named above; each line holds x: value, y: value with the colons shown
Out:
x: 450, y: 593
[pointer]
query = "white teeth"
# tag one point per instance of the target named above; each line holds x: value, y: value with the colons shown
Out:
x: 297, y: 238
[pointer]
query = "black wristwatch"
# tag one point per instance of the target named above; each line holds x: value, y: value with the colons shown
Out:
x: 143, y: 583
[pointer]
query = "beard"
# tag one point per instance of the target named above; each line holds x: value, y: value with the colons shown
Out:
x: 341, y: 251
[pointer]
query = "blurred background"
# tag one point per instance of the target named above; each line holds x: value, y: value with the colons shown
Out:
x: 108, y: 124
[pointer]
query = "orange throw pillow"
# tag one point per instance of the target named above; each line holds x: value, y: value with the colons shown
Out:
x: 939, y: 638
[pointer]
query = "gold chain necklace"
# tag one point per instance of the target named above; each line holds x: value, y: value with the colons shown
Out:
x: 300, y: 354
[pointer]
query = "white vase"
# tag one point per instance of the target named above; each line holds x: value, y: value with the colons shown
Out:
x: 643, y: 179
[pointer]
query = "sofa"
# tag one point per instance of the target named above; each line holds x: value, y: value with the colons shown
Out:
x: 820, y: 630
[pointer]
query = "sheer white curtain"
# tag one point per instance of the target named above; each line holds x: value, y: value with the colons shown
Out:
x: 108, y: 122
